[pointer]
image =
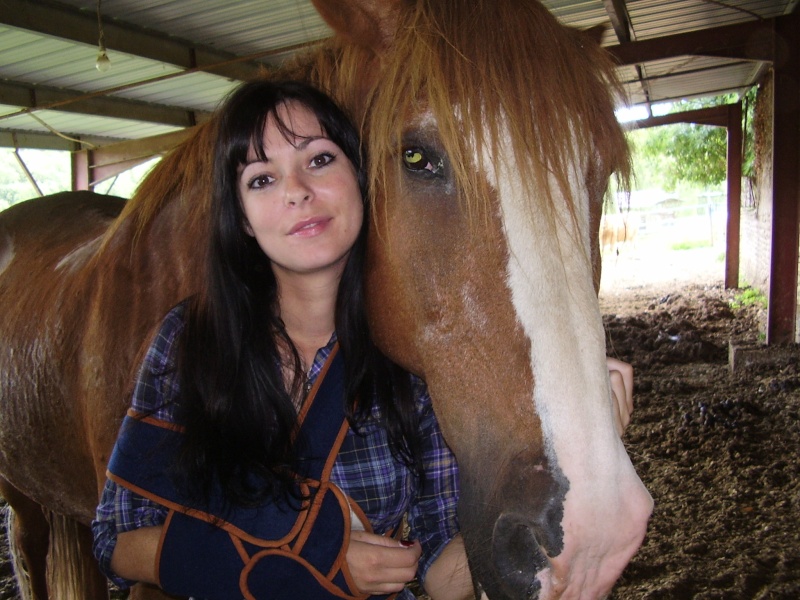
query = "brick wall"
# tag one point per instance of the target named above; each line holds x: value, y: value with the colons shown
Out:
x: 756, y: 216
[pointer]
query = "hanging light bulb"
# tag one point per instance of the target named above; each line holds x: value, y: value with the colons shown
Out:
x: 103, y: 63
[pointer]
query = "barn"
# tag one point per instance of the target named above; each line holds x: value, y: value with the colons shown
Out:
x: 117, y: 82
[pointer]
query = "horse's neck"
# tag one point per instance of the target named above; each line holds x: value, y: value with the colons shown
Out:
x: 161, y: 262
x: 158, y: 242
x: 150, y: 260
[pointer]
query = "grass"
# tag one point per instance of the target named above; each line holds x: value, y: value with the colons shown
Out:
x: 749, y: 297
x: 691, y: 245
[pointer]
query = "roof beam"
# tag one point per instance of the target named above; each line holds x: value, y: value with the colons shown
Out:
x: 92, y: 166
x: 674, y: 75
x: 617, y: 11
x: 712, y: 115
x: 705, y: 93
x: 46, y: 141
x: 39, y: 96
x: 753, y: 41
x: 58, y: 20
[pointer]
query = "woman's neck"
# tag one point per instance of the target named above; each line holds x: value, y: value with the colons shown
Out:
x: 308, y: 308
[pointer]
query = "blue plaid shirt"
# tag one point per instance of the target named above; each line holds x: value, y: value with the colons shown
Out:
x: 365, y: 469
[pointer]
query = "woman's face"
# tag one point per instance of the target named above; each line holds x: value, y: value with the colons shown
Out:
x: 303, y: 204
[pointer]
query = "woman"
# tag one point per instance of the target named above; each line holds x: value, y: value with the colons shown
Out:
x: 233, y: 385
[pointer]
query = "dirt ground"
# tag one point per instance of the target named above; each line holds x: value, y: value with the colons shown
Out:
x: 718, y: 451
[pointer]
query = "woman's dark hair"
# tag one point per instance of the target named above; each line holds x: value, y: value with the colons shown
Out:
x: 238, y: 415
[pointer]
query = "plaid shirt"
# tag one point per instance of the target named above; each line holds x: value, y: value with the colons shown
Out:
x: 364, y: 469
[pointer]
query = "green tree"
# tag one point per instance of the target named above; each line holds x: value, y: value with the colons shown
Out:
x: 49, y: 168
x: 693, y: 153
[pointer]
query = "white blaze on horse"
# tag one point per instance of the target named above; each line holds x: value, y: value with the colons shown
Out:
x: 491, y: 134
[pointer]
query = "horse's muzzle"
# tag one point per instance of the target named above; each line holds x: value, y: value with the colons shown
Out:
x: 517, y: 556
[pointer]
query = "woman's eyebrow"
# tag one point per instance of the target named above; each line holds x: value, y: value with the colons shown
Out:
x: 306, y: 140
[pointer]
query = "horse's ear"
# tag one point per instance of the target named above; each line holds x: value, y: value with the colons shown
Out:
x: 596, y: 33
x: 368, y: 23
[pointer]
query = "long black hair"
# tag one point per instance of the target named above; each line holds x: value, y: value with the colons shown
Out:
x: 238, y: 415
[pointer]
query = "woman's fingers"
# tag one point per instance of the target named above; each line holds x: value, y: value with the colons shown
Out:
x: 381, y: 565
x: 620, y: 375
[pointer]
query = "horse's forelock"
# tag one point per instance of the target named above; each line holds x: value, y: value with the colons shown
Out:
x: 509, y: 69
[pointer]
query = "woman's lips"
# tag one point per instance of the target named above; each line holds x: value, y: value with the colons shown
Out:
x: 310, y: 227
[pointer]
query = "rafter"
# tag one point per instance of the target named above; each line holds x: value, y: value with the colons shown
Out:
x: 48, y: 141
x: 39, y: 96
x: 712, y: 115
x: 753, y: 41
x: 617, y: 12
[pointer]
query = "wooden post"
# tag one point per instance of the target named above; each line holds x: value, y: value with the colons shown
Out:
x: 735, y: 143
x: 782, y: 312
x: 81, y: 161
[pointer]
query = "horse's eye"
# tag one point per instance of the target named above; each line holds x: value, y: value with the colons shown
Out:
x: 418, y: 160
x: 414, y: 159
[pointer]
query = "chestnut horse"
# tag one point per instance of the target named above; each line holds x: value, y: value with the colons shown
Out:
x: 491, y: 134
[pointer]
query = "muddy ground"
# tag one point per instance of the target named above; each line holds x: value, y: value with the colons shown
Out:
x: 718, y: 451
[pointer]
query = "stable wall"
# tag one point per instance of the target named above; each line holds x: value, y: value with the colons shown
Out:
x: 756, y: 214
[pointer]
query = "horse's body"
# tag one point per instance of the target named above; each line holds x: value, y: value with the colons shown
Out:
x: 492, y: 136
x: 617, y: 230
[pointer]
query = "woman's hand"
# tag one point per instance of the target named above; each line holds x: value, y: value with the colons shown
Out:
x: 381, y: 565
x: 621, y: 376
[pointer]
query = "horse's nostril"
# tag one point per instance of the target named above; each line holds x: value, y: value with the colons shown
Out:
x: 517, y: 557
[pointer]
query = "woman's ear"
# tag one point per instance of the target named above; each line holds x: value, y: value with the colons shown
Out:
x: 247, y: 229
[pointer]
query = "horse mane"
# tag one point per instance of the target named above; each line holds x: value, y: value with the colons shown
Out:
x: 552, y: 93
x: 183, y: 175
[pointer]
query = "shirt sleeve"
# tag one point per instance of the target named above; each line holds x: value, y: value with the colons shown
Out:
x: 432, y: 517
x: 120, y: 510
x: 155, y: 390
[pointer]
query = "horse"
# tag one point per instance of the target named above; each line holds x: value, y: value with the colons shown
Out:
x: 491, y: 134
x: 616, y: 231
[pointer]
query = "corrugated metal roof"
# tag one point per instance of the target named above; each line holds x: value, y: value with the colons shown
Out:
x: 692, y: 76
x: 243, y: 27
x: 581, y: 14
x: 715, y: 78
x: 656, y: 18
x: 70, y: 125
x: 44, y: 62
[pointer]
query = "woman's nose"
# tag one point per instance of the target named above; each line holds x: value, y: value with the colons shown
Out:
x: 297, y: 190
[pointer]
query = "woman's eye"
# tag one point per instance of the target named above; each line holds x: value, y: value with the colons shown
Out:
x: 259, y: 181
x: 320, y: 160
x: 418, y: 159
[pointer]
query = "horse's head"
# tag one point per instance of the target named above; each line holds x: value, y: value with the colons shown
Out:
x: 491, y: 133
